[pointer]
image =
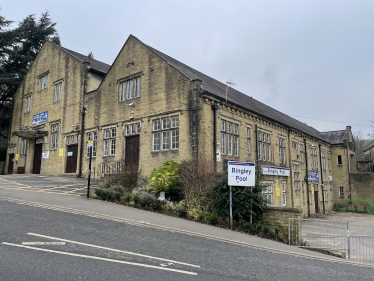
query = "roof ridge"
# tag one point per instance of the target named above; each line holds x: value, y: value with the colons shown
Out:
x: 66, y: 49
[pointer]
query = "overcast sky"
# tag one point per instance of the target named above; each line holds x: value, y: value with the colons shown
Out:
x: 305, y: 58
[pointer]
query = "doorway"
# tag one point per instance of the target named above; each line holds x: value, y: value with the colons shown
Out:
x: 37, y: 158
x: 132, y: 150
x: 71, y: 159
x: 10, y: 163
x: 316, y: 201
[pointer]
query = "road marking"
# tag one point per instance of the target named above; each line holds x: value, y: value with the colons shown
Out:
x: 43, y: 243
x: 176, y: 230
x: 110, y: 249
x: 99, y: 258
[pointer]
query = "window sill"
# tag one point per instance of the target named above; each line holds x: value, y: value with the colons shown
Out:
x: 341, y: 196
x: 108, y: 156
x: 165, y: 151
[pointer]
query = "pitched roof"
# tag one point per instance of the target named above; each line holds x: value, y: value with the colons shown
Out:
x: 335, y: 137
x: 219, y: 89
x: 370, y: 145
x: 94, y: 64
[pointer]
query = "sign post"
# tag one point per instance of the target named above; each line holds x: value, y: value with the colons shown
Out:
x: 240, y: 174
x: 90, y: 145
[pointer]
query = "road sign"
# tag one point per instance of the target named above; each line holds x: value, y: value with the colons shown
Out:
x: 90, y: 143
x: 241, y: 173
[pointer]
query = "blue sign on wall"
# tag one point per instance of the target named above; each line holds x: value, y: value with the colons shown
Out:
x: 40, y: 118
x: 313, y: 176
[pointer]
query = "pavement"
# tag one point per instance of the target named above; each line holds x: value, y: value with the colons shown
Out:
x: 220, y: 253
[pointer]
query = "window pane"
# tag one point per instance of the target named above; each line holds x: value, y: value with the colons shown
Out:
x: 223, y: 125
x: 175, y: 139
x: 123, y: 92
x: 248, y: 146
x: 127, y: 129
x: 56, y: 92
x: 106, y: 144
x: 60, y: 91
x: 137, y: 87
x: 132, y: 129
x: 229, y: 142
x: 106, y: 133
x: 175, y: 122
x: 235, y: 129
x: 156, y: 125
x: 235, y: 145
x: 165, y: 140
x: 113, y: 132
x: 138, y: 128
x: 165, y: 123
x: 113, y: 147
x: 156, y: 141
x: 228, y: 127
x: 264, y: 151
x: 223, y: 143
x: 130, y: 89
x: 248, y: 133
x: 268, y: 151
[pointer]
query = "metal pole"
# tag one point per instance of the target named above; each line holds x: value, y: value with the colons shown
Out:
x: 230, y: 208
x: 251, y: 204
x: 323, y: 186
x: 348, y: 242
x: 89, y: 174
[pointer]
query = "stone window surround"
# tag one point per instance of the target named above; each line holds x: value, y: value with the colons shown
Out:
x: 108, y: 141
x: 226, y: 129
x: 42, y: 84
x: 121, y: 81
x: 59, y: 96
x: 158, y: 132
x: 28, y: 99
x: 264, y: 139
x: 92, y: 137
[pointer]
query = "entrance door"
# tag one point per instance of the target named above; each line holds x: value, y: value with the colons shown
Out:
x: 132, y: 150
x: 37, y: 158
x: 11, y: 163
x: 71, y: 159
x: 316, y: 201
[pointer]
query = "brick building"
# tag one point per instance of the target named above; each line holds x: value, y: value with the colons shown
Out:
x: 148, y: 108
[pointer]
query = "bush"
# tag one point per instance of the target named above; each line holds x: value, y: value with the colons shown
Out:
x: 266, y: 231
x: 211, y: 218
x: 195, y: 176
x: 157, y: 205
x: 107, y: 185
x: 241, y: 198
x: 117, y: 196
x: 163, y: 177
x: 129, y: 177
x: 126, y: 199
x: 146, y: 201
x: 136, y: 200
x: 182, y: 213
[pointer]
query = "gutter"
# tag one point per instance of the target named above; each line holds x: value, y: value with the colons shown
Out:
x: 323, y: 186
x: 306, y: 177
x: 85, y: 77
x: 214, y: 108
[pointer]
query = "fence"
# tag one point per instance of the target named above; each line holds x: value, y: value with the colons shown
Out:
x: 321, y: 234
x: 362, y: 248
x: 331, y: 235
x: 111, y: 170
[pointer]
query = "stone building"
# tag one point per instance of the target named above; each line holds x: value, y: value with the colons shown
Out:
x: 147, y: 108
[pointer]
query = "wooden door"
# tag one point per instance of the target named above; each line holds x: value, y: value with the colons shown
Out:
x: 37, y: 158
x: 71, y: 159
x: 11, y: 163
x: 316, y: 201
x: 132, y: 150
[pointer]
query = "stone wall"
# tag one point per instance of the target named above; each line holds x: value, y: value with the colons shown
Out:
x: 278, y: 217
x: 362, y: 187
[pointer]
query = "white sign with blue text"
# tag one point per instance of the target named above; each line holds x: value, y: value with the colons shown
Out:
x: 241, y: 173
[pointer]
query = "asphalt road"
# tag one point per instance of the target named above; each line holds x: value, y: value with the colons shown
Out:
x: 184, y: 257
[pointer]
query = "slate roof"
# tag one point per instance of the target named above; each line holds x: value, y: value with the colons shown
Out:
x: 335, y: 137
x: 219, y: 89
x: 94, y: 64
x: 370, y: 145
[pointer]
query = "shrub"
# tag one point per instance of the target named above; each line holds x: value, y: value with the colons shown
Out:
x: 195, y: 175
x: 157, y: 205
x: 146, y: 201
x: 107, y: 185
x: 136, y: 199
x: 163, y: 177
x: 129, y: 176
x: 211, y: 218
x: 126, y: 199
x: 117, y: 196
x: 266, y: 231
x: 182, y: 213
x: 99, y: 192
x: 241, y: 198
